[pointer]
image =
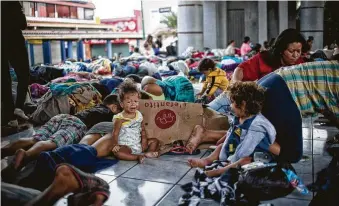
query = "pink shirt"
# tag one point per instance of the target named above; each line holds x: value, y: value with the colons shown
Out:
x: 245, y: 48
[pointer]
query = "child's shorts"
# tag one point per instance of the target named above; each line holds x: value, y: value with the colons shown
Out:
x: 63, y: 129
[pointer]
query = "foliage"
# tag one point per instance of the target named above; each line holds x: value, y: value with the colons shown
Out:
x: 170, y: 20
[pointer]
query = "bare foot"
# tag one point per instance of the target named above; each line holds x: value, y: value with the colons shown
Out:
x: 141, y: 158
x: 18, y: 159
x: 10, y: 172
x: 195, y: 139
x: 152, y: 154
x: 195, y: 162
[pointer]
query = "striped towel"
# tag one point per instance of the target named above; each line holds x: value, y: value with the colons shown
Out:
x: 313, y: 85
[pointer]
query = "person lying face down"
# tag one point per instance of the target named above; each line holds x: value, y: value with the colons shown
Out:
x: 61, y: 130
x: 249, y: 132
x: 174, y: 88
x: 149, y: 85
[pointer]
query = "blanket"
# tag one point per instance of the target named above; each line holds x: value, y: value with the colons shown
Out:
x: 177, y: 88
x: 313, y: 85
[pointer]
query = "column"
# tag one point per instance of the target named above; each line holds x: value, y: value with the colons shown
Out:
x: 262, y: 20
x: 80, y: 50
x: 190, y: 25
x: 31, y: 54
x: 70, y: 49
x: 283, y: 15
x: 46, y: 49
x: 63, y: 50
x: 222, y: 24
x: 109, y: 48
x: 210, y: 24
x: 292, y: 14
x: 312, y: 21
x: 272, y: 19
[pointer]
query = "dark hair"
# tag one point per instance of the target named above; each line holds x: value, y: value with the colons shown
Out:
x: 230, y: 42
x: 149, y: 39
x: 136, y: 50
x: 102, y: 89
x: 144, y: 95
x: 126, y: 87
x: 266, y: 45
x: 271, y: 42
x: 310, y: 38
x: 335, y: 57
x: 146, y: 45
x: 250, y: 93
x: 257, y: 47
x: 111, y: 99
x: 205, y: 64
x: 191, y: 60
x: 134, y: 77
x: 246, y: 39
x: 281, y: 43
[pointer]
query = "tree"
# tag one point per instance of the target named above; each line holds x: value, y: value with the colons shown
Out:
x: 170, y: 20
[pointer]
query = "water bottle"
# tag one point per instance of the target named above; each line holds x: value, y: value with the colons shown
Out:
x: 295, y: 181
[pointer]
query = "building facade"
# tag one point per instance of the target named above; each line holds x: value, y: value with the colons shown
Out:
x: 58, y: 30
x: 154, y: 11
x: 214, y: 23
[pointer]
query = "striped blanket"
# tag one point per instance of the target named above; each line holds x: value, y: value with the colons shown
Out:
x: 313, y: 85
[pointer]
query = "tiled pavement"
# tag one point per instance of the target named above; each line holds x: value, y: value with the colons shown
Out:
x: 157, y: 181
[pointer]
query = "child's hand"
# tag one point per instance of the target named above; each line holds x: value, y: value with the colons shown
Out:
x: 116, y: 148
x: 144, y: 145
x: 215, y: 173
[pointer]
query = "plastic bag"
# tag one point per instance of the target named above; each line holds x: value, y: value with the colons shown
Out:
x: 265, y: 183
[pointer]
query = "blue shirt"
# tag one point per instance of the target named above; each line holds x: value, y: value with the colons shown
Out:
x: 255, y: 134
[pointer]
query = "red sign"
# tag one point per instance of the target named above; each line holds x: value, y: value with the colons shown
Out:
x: 165, y: 118
x: 128, y: 24
x: 102, y: 41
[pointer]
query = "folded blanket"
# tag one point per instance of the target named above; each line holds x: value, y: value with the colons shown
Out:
x: 313, y: 85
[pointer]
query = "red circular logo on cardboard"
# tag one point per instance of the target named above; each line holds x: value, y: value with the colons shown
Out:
x: 165, y: 118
